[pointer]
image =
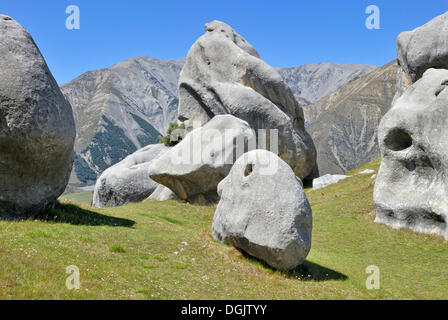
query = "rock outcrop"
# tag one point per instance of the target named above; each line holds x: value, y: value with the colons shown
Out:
x: 37, y: 129
x: 421, y: 49
x: 411, y: 186
x: 264, y: 211
x: 193, y: 168
x: 128, y: 181
x: 223, y: 74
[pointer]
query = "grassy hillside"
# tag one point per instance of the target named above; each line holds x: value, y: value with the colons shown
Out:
x: 164, y: 250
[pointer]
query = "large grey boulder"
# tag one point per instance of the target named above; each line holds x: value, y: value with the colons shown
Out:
x: 264, y: 211
x: 127, y: 181
x: 37, y: 130
x: 420, y: 49
x: 193, y: 168
x: 223, y: 74
x: 411, y: 187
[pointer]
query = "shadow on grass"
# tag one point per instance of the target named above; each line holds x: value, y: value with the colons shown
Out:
x: 308, y: 271
x: 72, y: 214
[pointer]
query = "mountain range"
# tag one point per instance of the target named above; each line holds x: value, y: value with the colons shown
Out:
x: 344, y: 124
x: 129, y: 105
x: 119, y: 110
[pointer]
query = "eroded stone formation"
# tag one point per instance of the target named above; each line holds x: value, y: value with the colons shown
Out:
x: 193, y: 168
x: 264, y: 211
x: 128, y: 181
x: 37, y: 129
x: 411, y: 187
x: 224, y: 74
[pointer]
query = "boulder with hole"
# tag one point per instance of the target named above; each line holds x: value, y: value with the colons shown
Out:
x: 412, y: 184
x: 264, y: 211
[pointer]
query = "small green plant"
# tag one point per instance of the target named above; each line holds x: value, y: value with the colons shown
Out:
x: 116, y: 248
x: 38, y: 234
x: 166, y: 140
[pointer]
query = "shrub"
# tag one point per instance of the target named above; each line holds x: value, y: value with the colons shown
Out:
x: 166, y: 140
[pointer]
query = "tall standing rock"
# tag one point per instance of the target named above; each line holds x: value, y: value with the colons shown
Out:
x: 223, y: 74
x: 411, y: 187
x: 37, y: 130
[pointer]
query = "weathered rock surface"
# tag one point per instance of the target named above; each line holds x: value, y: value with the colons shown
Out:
x: 37, y: 129
x: 344, y: 124
x: 163, y: 193
x: 411, y: 186
x: 327, y: 180
x: 223, y: 74
x: 128, y: 181
x: 263, y: 211
x: 193, y: 168
x: 421, y: 49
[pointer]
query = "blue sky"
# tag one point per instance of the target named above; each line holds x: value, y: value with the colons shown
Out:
x: 285, y: 32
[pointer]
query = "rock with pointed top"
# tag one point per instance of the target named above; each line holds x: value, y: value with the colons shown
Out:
x: 37, y: 129
x: 223, y: 74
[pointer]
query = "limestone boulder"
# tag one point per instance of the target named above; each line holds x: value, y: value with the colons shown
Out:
x: 128, y: 181
x: 421, y: 49
x: 193, y: 168
x: 264, y: 211
x: 412, y: 184
x: 37, y: 129
x: 223, y: 74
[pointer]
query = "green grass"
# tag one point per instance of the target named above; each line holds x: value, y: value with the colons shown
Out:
x: 164, y: 250
x: 84, y: 197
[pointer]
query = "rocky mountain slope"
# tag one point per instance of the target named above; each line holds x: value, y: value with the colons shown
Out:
x: 344, y: 124
x: 129, y: 105
x: 312, y: 82
x: 119, y: 110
